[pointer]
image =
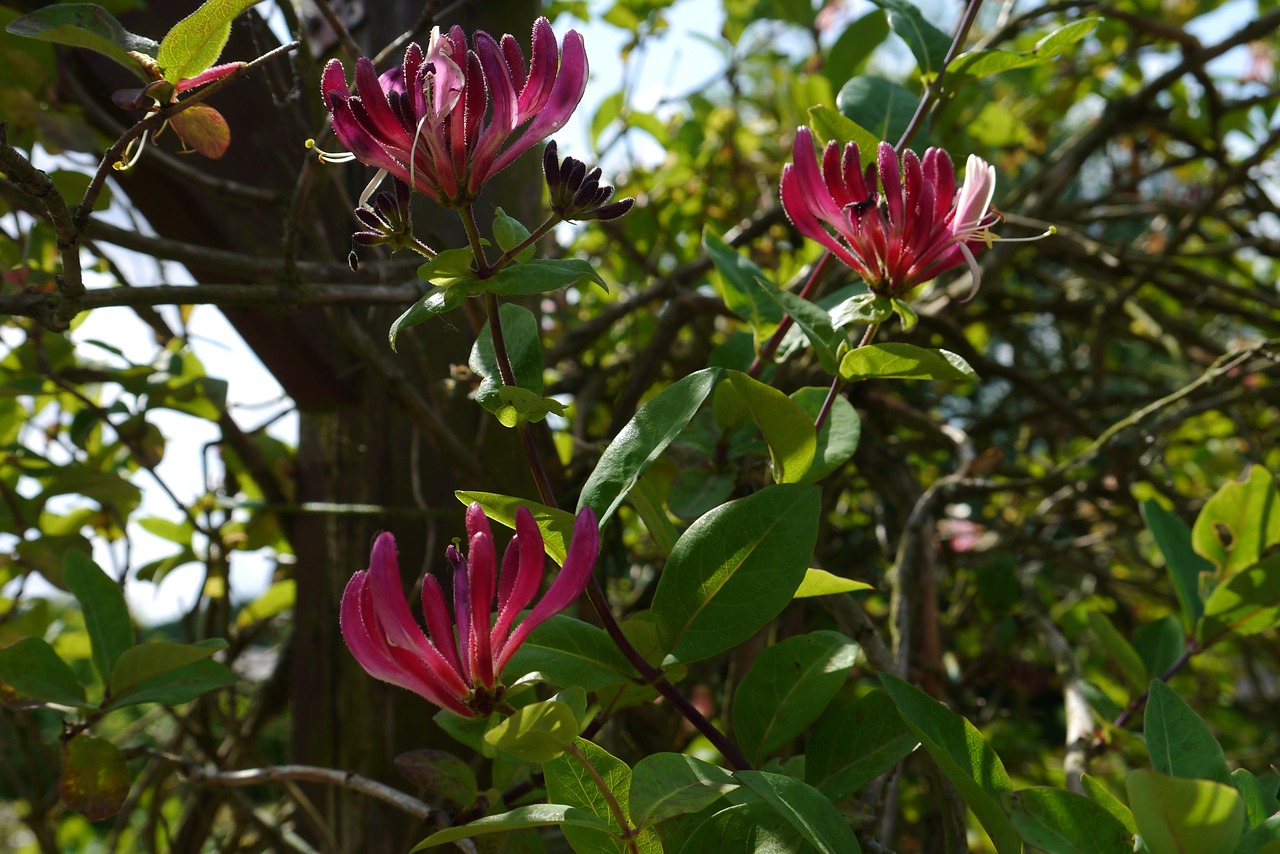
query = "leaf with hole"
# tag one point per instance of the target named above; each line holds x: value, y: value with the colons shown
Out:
x: 1239, y: 523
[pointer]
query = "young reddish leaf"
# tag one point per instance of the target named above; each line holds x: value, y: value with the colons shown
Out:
x: 204, y: 129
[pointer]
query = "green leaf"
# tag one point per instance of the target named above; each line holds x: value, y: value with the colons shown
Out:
x: 1263, y: 839
x: 903, y: 362
x: 905, y: 313
x: 510, y: 233
x: 1247, y: 603
x: 33, y: 669
x: 1119, y: 651
x: 855, y: 743
x: 106, y: 616
x: 647, y: 501
x: 85, y: 25
x: 540, y: 276
x: 814, y: 321
x: 1259, y: 796
x: 535, y: 733
x: 962, y: 755
x: 1062, y: 822
x: 748, y: 292
x: 804, y: 808
x: 95, y: 778
x: 1186, y: 816
x: 555, y: 524
x: 1160, y: 643
x: 277, y: 598
x: 524, y: 349
x: 819, y: 582
x: 975, y: 64
x: 438, y: 300
x: 439, y: 773
x: 196, y: 42
x: 1239, y: 523
x: 148, y: 660
x: 787, y: 688
x: 929, y: 45
x: 787, y: 429
x: 742, y: 286
x: 177, y: 686
x: 734, y: 570
x: 570, y: 652
x: 830, y: 124
x: 517, y: 405
x: 535, y: 815
x: 838, y: 438
x: 451, y: 267
x: 1178, y: 741
x: 853, y: 48
x: 569, y: 782
x: 862, y: 309
x: 669, y: 784
x: 643, y: 440
x: 751, y: 828
x: 881, y: 106
x: 1110, y: 803
x: 1185, y: 566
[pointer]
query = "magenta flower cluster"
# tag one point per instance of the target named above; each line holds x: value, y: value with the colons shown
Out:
x: 423, y: 122
x: 458, y: 661
x: 901, y: 230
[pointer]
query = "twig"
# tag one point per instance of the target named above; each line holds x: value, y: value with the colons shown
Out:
x: 40, y: 186
x: 38, y: 304
x: 1075, y: 762
x: 311, y: 774
x: 154, y: 121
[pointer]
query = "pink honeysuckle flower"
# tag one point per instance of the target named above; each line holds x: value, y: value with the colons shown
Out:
x: 424, y: 121
x: 901, y: 230
x: 460, y: 672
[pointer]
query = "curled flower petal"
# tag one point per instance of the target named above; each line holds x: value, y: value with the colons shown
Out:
x: 899, y: 222
x: 394, y: 652
x: 524, y: 577
x: 449, y: 118
x: 461, y: 676
x: 579, y: 563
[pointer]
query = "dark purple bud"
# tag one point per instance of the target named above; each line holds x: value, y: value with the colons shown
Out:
x: 612, y: 211
x: 551, y: 166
